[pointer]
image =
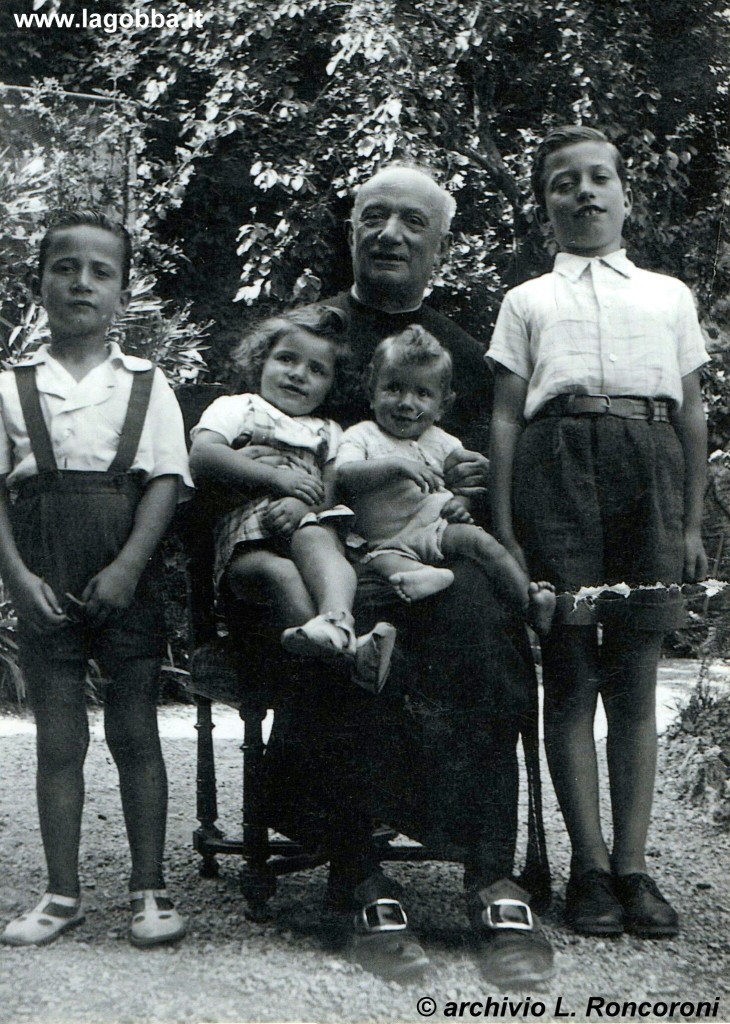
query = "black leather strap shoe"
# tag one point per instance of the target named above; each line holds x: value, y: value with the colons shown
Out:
x: 591, y: 905
x: 370, y: 920
x: 512, y: 951
x: 646, y: 912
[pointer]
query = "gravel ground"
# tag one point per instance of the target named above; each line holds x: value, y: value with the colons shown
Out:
x: 230, y: 969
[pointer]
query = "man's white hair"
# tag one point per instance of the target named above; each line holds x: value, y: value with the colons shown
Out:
x: 448, y: 203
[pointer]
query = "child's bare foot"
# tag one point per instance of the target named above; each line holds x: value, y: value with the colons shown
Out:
x: 420, y: 583
x: 541, y: 608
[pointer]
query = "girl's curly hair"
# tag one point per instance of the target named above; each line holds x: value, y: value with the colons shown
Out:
x: 249, y: 356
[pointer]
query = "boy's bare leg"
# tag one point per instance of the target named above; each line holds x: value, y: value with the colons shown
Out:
x: 62, y: 732
x: 536, y: 601
x: 629, y: 661
x: 571, y: 680
x: 130, y: 725
x: 411, y: 580
x: 328, y: 576
x: 258, y: 573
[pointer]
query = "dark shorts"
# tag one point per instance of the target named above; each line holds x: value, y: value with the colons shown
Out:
x: 600, y: 500
x: 68, y: 527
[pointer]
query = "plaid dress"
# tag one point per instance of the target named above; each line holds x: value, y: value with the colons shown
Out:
x: 250, y: 420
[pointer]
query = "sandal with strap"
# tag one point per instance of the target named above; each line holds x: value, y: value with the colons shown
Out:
x: 154, y: 919
x: 53, y: 916
x: 325, y: 636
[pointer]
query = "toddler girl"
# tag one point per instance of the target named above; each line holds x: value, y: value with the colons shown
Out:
x: 282, y: 539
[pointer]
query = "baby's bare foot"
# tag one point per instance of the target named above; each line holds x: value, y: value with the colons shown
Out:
x: 420, y: 583
x: 541, y: 608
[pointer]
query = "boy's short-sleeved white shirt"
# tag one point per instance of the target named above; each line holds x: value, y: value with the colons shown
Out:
x: 598, y: 325
x: 85, y: 419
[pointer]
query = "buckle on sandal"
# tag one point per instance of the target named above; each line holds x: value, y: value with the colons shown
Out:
x: 382, y: 915
x: 506, y: 913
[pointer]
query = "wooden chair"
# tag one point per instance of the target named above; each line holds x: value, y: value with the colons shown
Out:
x: 247, y: 670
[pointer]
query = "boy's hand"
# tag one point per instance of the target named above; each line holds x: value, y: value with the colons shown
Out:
x: 466, y: 472
x: 424, y: 478
x: 297, y: 483
x: 37, y: 605
x: 695, y: 559
x: 111, y: 590
x: 284, y: 515
x: 455, y: 511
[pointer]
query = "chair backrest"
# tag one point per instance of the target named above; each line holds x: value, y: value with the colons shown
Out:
x: 194, y: 522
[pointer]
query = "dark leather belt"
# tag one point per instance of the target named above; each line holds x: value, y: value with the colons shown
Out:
x: 654, y: 410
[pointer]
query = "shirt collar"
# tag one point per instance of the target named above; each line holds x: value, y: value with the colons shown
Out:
x: 571, y: 266
x: 114, y: 355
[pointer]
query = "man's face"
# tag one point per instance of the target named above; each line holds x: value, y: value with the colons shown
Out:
x: 396, y: 238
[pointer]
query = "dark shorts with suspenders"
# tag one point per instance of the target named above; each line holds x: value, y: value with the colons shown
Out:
x: 68, y: 526
x: 599, y: 499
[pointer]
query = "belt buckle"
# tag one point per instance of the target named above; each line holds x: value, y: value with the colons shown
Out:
x: 575, y: 401
x: 651, y: 409
x: 512, y: 914
x: 382, y: 915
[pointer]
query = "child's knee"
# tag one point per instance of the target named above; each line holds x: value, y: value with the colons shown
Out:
x: 60, y: 749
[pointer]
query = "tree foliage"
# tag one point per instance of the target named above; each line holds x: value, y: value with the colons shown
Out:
x: 251, y: 132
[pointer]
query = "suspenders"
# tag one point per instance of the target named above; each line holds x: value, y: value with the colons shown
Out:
x: 40, y: 439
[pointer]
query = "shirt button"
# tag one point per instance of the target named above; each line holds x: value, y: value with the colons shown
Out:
x: 613, y: 357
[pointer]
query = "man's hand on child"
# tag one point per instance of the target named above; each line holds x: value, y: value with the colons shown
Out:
x: 111, y: 590
x: 296, y: 483
x: 454, y: 511
x: 695, y: 559
x: 37, y: 605
x: 284, y: 515
x: 466, y: 472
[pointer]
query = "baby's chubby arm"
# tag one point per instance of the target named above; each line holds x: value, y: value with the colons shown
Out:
x: 35, y: 601
x: 362, y: 476
x: 212, y: 458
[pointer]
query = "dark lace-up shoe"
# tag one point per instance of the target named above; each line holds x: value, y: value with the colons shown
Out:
x: 591, y: 904
x: 646, y: 912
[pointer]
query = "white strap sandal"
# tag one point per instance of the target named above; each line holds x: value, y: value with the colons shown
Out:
x: 154, y: 919
x: 325, y: 636
x: 53, y: 916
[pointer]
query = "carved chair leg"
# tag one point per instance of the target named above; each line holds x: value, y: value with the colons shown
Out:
x: 258, y: 881
x: 206, y: 799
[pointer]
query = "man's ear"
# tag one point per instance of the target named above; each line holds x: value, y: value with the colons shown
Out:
x: 628, y: 199
x: 34, y: 284
x: 444, y: 246
x: 350, y: 235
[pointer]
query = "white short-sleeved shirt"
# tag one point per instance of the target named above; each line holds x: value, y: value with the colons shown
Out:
x: 598, y: 325
x: 380, y: 515
x: 85, y: 419
x: 232, y: 416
